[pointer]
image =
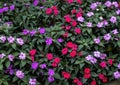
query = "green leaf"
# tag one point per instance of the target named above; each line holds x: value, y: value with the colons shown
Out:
x: 1, y: 67
x: 7, y: 64
x: 57, y: 76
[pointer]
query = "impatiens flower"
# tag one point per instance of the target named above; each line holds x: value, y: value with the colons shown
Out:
x: 5, y: 9
x: 110, y: 61
x: 87, y: 70
x: 57, y: 60
x: 93, y: 6
x: 69, y: 44
x: 1, y: 10
x: 97, y: 54
x: 89, y: 14
x: 49, y: 11
x: 43, y: 66
x: 79, y: 1
x: 12, y: 7
x: 97, y: 40
x: 66, y: 75
x: 67, y: 18
x: 51, y: 72
x: 22, y: 56
x: 49, y: 41
x: 32, y: 52
x: 36, y: 2
x: 32, y: 32
x: 77, y: 30
x: 11, y: 57
x: 89, y: 24
x: 2, y: 55
x: 93, y: 82
x: 101, y: 76
x: 64, y: 51
x: 74, y: 23
x: 115, y: 4
x: 32, y: 81
x: 103, y: 64
x: 79, y: 14
x: 107, y: 36
x: 73, y: 53
x: 34, y: 65
x: 56, y: 12
x: 118, y: 12
x: 108, y: 3
x: 118, y: 66
x: 20, y: 41
x: 25, y: 32
x: 19, y: 74
x: 10, y: 39
x: 42, y: 30
x: 115, y: 31
x: 60, y: 40
x: 70, y: 1
x: 87, y: 76
x: 113, y: 19
x: 91, y: 59
x: 54, y: 64
x: 100, y: 24
x: 80, y: 19
x: 49, y: 56
x: 105, y: 22
x: 50, y: 78
x: 103, y: 56
x: 3, y: 39
x: 117, y: 75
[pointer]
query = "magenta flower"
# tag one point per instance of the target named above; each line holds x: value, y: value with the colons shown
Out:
x: 36, y: 2
x: 12, y: 7
x: 51, y: 79
x: 49, y: 41
x: 25, y: 32
x: 51, y: 72
x: 34, y: 65
x: 42, y: 30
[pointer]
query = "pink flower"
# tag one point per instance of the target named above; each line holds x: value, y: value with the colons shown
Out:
x: 103, y: 64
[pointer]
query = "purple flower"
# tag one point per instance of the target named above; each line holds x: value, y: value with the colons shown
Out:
x: 20, y: 41
x: 50, y: 79
x: 100, y: 24
x: 22, y: 56
x: 97, y: 40
x: 93, y: 6
x: 108, y: 3
x: 34, y: 65
x: 118, y: 12
x: 2, y: 55
x: 107, y: 36
x: 89, y: 24
x: 10, y: 39
x: 43, y: 66
x: 117, y: 75
x: 115, y: 31
x: 80, y: 19
x: 103, y: 56
x: 32, y: 81
x: 42, y: 30
x: 115, y: 4
x: 36, y: 2
x: 11, y: 71
x: 3, y: 39
x: 1, y: 10
x: 60, y: 40
x: 33, y: 32
x: 91, y: 59
x: 12, y: 7
x: 89, y: 14
x: 11, y: 57
x: 51, y: 72
x: 25, y: 31
x: 113, y: 19
x: 5, y: 9
x: 49, y: 41
x: 19, y: 74
x: 97, y: 54
x: 118, y: 66
x: 105, y: 23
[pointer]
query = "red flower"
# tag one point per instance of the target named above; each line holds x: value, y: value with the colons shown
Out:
x: 57, y: 60
x: 48, y: 11
x: 110, y: 61
x: 54, y: 64
x: 76, y: 80
x: 32, y: 52
x: 79, y: 83
x: 70, y: 1
x: 55, y: 12
x: 49, y: 56
x: 101, y: 76
x: 103, y: 64
x: 74, y: 47
x: 66, y: 75
x: 68, y: 19
x: 79, y: 14
x: 93, y: 82
x: 74, y: 23
x: 86, y: 70
x: 87, y: 76
x: 73, y: 53
x: 79, y: 1
x: 68, y: 27
x: 64, y: 51
x: 78, y: 30
x: 105, y: 79
x: 66, y: 34
x: 79, y: 53
x: 73, y: 11
x: 54, y: 7
x: 69, y: 44
x: 33, y: 58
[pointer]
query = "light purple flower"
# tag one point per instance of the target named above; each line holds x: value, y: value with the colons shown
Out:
x: 36, y: 2
x: 117, y: 75
x: 100, y: 24
x: 20, y: 41
x: 115, y: 4
x: 42, y: 30
x: 10, y: 39
x: 3, y: 39
x: 51, y: 72
x: 32, y: 81
x: 80, y: 19
x: 60, y: 40
x: 89, y: 14
x: 12, y: 7
x: 50, y: 79
x: 91, y: 59
x: 25, y: 32
x: 22, y: 56
x: 33, y: 32
x: 113, y: 19
x: 118, y: 12
x: 2, y: 55
x: 97, y: 40
x: 105, y: 22
x: 49, y: 41
x: 97, y: 54
x: 11, y: 57
x: 115, y: 31
x: 107, y: 37
x: 118, y: 66
x: 34, y: 65
x: 103, y: 56
x: 19, y: 74
x: 5, y: 9
x: 43, y: 66
x: 89, y: 24
x: 108, y: 3
x: 93, y: 6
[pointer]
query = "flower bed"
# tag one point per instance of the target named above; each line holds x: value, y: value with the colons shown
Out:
x: 62, y: 42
